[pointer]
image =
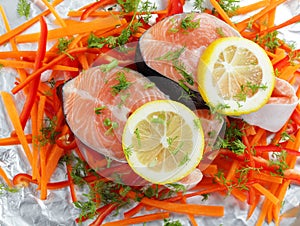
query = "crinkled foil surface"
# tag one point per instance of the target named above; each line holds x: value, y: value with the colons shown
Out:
x: 24, y: 208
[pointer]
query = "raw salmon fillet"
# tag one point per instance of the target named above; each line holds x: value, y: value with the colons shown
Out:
x: 116, y: 94
x: 168, y: 36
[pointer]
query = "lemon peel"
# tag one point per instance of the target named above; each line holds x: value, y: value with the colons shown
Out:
x: 163, y: 141
x: 235, y: 76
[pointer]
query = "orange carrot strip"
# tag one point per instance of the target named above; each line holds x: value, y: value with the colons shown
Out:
x: 13, y: 33
x: 288, y: 71
x: 53, y: 11
x: 259, y: 134
x: 19, y: 54
x: 43, y: 148
x: 46, y: 67
x: 14, y: 140
x: 280, y: 194
x: 213, y: 211
x: 243, y: 24
x: 267, y: 178
x: 212, y: 169
x: 266, y: 193
x: 191, y: 216
x: 35, y: 134
x: 253, y: 206
x: 293, y: 20
x: 250, y: 8
x: 232, y: 171
x: 222, y: 13
x: 240, y: 195
x: 14, y: 117
x: 24, y: 64
x: 109, y: 13
x: 139, y: 219
x: 5, y: 177
x: 95, y: 25
x: 271, y: 16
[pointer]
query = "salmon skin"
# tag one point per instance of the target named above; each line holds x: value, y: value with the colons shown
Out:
x: 172, y: 48
x: 97, y: 104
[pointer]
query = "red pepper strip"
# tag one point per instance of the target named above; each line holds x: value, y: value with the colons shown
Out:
x: 37, y: 64
x: 109, y: 208
x: 95, y: 6
x: 272, y: 148
x: 286, y: 61
x: 133, y: 211
x: 65, y: 144
x: 84, y: 218
x: 24, y: 179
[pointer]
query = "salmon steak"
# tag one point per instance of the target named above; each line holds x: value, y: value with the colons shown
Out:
x: 98, y: 102
x: 173, y: 46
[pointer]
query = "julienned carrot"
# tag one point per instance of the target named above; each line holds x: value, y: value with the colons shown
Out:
x: 222, y: 13
x: 14, y: 140
x: 250, y: 8
x: 53, y: 11
x: 5, y: 178
x: 95, y: 25
x: 213, y: 211
x: 131, y: 212
x: 30, y: 65
x: 243, y: 24
x: 139, y: 219
x: 266, y: 193
x: 94, y: 7
x: 18, y: 30
x: 46, y: 67
x: 14, y: 117
x: 293, y: 20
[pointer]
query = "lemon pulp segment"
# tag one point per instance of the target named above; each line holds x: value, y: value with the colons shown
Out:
x: 162, y: 142
x: 235, y: 76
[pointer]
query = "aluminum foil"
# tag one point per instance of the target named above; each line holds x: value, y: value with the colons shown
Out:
x: 24, y: 208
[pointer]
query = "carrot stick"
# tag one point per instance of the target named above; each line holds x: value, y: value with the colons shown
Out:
x: 53, y: 11
x: 259, y: 134
x: 213, y: 211
x: 94, y: 7
x: 243, y: 24
x: 14, y: 117
x: 14, y: 140
x: 267, y: 178
x: 139, y: 219
x: 250, y: 8
x: 266, y: 193
x: 46, y: 67
x: 293, y: 20
x: 35, y: 134
x: 95, y: 25
x: 253, y: 206
x: 24, y: 64
x: 13, y: 33
x: 222, y: 13
x: 288, y: 72
x: 5, y: 178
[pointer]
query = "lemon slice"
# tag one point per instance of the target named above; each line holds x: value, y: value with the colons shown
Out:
x: 235, y: 76
x: 163, y: 141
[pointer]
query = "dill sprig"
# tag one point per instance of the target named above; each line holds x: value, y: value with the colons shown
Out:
x: 23, y: 8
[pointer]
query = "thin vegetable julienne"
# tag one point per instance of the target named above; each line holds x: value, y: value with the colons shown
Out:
x: 259, y: 169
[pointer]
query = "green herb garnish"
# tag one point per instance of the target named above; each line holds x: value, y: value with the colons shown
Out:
x: 23, y: 8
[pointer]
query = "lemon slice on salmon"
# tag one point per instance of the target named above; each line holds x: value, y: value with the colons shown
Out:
x: 163, y: 141
x: 235, y: 76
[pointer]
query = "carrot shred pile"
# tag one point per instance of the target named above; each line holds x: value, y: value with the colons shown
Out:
x: 251, y: 177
